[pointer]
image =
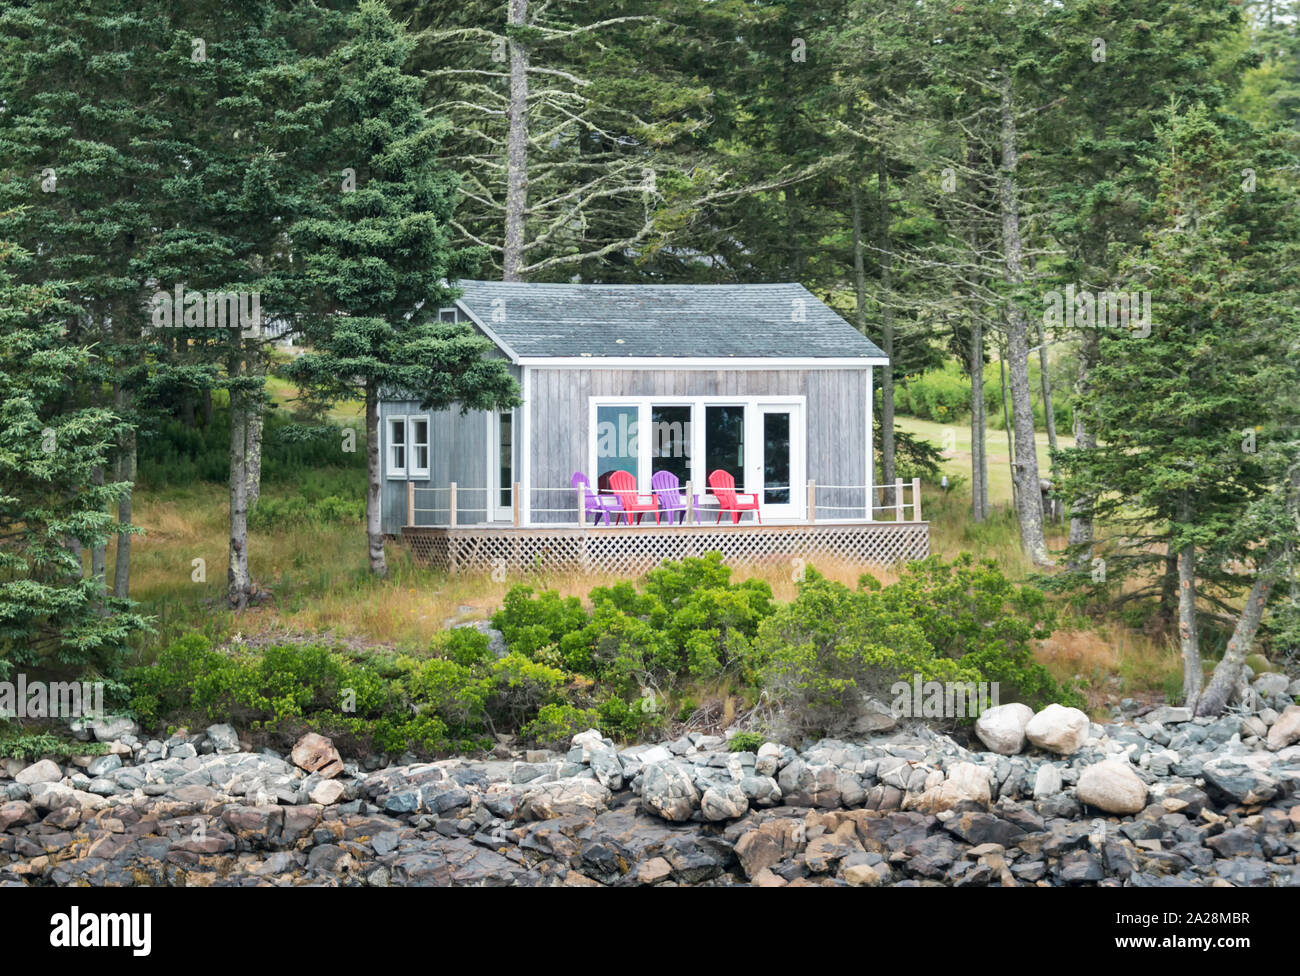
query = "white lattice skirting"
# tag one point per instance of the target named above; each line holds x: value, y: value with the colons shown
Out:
x: 631, y: 551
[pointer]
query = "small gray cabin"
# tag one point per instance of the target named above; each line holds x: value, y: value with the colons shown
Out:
x: 763, y: 381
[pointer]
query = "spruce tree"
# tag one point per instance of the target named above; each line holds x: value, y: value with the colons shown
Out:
x: 380, y: 256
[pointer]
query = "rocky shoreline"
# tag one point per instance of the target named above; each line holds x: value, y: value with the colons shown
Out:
x: 1156, y: 799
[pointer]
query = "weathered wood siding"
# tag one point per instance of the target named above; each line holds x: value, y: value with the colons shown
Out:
x: 835, y: 419
x: 459, y: 450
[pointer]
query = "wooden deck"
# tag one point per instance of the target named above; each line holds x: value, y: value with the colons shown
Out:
x: 631, y: 550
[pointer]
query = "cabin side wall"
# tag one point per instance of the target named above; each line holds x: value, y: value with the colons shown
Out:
x: 459, y: 451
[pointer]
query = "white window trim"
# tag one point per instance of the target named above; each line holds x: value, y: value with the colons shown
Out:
x: 796, y: 510
x: 408, y: 471
x: 412, y: 471
x: 391, y: 469
x: 498, y: 512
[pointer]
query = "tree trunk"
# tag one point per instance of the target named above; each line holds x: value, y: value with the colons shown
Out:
x: 125, y: 472
x: 374, y: 528
x: 1188, y: 637
x: 98, y: 558
x: 979, y: 472
x: 1006, y: 422
x: 1229, y: 670
x: 1045, y: 381
x: 1169, y: 586
x: 512, y: 258
x: 885, y: 244
x: 859, y: 263
x: 255, y: 414
x: 1081, y: 532
x: 1029, y: 502
x: 239, y: 583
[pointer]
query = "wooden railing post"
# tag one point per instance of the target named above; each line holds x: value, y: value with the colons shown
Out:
x: 898, y: 499
x: 582, y: 507
x: 514, y: 501
x: 410, y: 503
x: 812, y: 501
x: 916, y: 499
x: 451, y: 505
x: 689, y: 517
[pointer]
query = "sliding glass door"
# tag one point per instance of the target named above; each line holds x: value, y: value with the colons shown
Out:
x: 758, y: 440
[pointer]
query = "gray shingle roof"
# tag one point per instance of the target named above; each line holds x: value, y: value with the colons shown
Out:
x: 671, y: 321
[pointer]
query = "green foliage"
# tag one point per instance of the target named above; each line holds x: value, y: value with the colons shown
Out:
x: 466, y: 646
x: 279, y: 513
x: 687, y: 622
x: 745, y: 742
x: 944, y: 396
x: 28, y: 746
x: 955, y: 622
x: 54, y: 498
x: 557, y: 724
x: 177, y: 454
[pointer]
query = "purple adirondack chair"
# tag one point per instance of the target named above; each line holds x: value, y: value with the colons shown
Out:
x: 595, y: 505
x: 671, y: 497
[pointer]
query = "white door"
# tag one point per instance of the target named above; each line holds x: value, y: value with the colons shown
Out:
x: 502, y: 432
x: 776, y: 469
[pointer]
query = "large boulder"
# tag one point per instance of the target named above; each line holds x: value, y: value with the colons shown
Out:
x: 668, y: 791
x: 1002, y: 727
x: 725, y: 802
x: 1286, y: 729
x: 965, y: 783
x: 599, y: 753
x: 43, y: 771
x: 568, y: 797
x: 1111, y: 785
x: 316, y: 754
x: 1058, y: 729
x: 1234, y: 779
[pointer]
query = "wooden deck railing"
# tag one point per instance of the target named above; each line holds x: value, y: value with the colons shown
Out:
x: 899, y: 502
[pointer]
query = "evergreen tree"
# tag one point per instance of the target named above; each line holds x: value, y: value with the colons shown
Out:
x: 53, y: 498
x: 380, y: 256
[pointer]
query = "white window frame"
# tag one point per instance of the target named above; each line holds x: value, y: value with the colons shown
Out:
x: 754, y: 406
x: 395, y: 470
x: 407, y: 471
x: 414, y: 472
x: 496, y: 511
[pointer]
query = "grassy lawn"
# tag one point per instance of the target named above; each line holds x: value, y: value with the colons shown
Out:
x: 955, y: 441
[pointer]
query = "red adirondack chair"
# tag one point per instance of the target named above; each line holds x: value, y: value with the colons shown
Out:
x: 623, y: 485
x: 729, y: 500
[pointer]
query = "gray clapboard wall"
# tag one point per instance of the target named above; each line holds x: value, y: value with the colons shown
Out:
x: 835, y: 415
x: 459, y: 450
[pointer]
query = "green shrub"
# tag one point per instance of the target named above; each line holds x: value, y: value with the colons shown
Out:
x: 29, y: 746
x: 557, y: 724
x: 946, y: 622
x: 745, y: 742
x: 464, y: 645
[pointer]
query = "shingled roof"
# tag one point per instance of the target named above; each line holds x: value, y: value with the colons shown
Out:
x: 781, y: 321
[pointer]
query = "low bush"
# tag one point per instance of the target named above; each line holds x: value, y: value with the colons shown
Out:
x: 947, y: 622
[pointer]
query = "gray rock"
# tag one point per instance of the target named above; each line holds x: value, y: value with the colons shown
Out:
x: 113, y: 727
x: 1047, y: 781
x: 1111, y: 785
x: 668, y: 790
x: 224, y: 739
x: 1002, y: 727
x: 102, y: 765
x: 42, y: 771
x: 724, y: 802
